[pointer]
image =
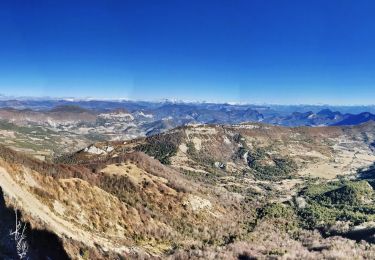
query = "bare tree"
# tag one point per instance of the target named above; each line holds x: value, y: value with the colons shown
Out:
x: 19, y: 237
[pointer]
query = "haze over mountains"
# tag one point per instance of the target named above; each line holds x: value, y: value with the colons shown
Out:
x: 182, y: 112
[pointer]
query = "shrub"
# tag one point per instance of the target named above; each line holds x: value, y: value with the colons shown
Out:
x: 161, y: 147
x: 281, y: 215
x: 267, y: 167
x: 353, y: 193
x: 337, y: 201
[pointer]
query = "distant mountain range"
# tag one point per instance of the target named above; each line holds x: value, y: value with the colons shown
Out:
x: 180, y: 113
x: 324, y: 117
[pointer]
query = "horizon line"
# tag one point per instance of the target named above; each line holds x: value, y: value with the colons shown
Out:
x: 172, y: 100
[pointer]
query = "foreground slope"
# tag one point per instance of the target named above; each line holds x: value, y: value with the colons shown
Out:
x: 137, y: 207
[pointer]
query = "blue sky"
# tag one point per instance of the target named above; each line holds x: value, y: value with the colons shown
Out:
x: 259, y: 51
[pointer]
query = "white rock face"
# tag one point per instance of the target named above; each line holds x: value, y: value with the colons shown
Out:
x: 117, y: 116
x: 301, y: 202
x: 197, y: 143
x: 109, y: 149
x: 58, y: 207
x: 245, y: 156
x: 183, y: 148
x: 226, y: 140
x: 94, y: 150
x: 196, y: 203
x: 219, y: 165
x: 247, y: 126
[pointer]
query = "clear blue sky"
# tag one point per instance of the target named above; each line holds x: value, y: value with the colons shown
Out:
x: 272, y: 51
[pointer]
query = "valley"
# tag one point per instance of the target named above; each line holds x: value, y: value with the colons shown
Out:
x: 49, y: 128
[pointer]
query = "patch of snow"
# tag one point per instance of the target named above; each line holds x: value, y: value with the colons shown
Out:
x: 311, y: 116
x: 145, y: 115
